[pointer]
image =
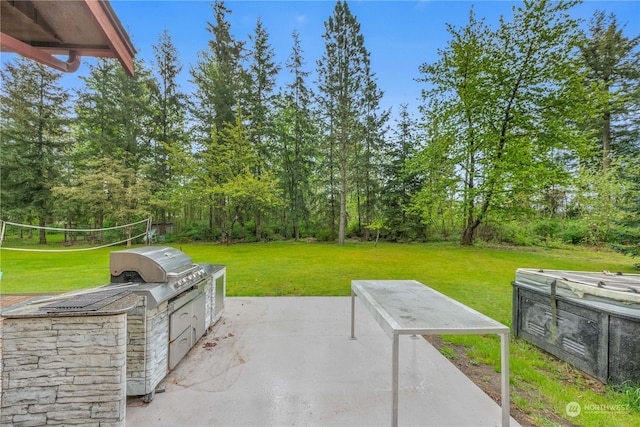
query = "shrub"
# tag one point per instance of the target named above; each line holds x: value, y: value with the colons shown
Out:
x: 324, y: 235
x: 546, y: 229
x: 573, y: 232
x: 509, y: 232
x: 198, y: 232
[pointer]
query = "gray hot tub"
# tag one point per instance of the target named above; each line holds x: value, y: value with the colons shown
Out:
x: 591, y: 320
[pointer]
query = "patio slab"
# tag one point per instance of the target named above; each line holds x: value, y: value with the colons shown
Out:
x: 288, y: 361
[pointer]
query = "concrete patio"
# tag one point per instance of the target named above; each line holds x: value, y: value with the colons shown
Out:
x: 288, y: 361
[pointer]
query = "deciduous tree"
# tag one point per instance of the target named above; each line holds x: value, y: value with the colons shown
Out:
x: 507, y: 104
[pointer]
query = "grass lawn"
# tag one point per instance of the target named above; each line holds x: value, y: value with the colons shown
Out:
x: 478, y: 277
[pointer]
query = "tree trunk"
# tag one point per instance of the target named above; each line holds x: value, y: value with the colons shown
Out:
x: 258, y: 226
x: 343, y: 187
x: 467, y: 235
x: 211, y: 216
x: 43, y: 232
x: 606, y: 141
x: 343, y: 205
x: 128, y: 234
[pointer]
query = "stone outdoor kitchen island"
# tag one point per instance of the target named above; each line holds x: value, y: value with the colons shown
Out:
x: 62, y: 365
x: 74, y: 358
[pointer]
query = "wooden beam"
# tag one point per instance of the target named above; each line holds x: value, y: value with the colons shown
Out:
x: 111, y: 28
x: 8, y: 43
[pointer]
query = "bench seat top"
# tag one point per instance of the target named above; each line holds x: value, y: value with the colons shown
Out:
x: 409, y: 307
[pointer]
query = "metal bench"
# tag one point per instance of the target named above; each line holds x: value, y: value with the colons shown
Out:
x: 407, y: 307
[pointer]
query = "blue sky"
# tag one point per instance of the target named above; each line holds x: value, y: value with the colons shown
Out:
x: 401, y: 35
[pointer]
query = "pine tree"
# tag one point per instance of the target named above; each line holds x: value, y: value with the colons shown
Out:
x: 221, y: 93
x: 342, y: 83
x: 114, y: 122
x: 401, y: 183
x: 170, y: 144
x: 613, y: 65
x: 219, y: 77
x: 368, y: 159
x: 295, y: 144
x: 113, y: 112
x: 262, y: 75
x: 34, y: 127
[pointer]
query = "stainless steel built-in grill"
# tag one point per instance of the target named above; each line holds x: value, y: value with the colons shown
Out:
x: 181, y: 300
x: 159, y: 273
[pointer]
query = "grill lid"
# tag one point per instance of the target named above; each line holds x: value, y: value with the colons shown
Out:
x: 151, y: 263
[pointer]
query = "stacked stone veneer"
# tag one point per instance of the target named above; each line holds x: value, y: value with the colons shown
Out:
x: 147, y: 348
x: 64, y: 370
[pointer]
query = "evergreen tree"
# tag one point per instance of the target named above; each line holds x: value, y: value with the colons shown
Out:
x: 219, y: 77
x: 295, y: 145
x: 114, y: 121
x: 401, y: 183
x: 613, y: 65
x: 227, y: 177
x: 262, y: 75
x: 170, y: 143
x: 221, y: 92
x: 113, y: 114
x: 34, y: 126
x: 368, y: 158
x: 342, y: 84
x: 103, y: 195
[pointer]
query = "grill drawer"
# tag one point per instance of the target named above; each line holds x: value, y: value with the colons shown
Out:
x: 179, y: 321
x: 186, y: 326
x: 179, y: 348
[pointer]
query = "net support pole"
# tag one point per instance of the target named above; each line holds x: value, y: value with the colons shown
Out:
x: 4, y: 224
x: 149, y: 231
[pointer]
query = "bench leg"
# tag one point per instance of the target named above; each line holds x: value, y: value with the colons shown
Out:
x: 353, y: 310
x: 394, y: 381
x: 506, y: 405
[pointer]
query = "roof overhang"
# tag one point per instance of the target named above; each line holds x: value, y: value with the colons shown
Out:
x: 73, y: 28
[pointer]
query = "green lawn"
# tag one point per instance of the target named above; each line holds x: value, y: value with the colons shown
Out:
x: 478, y: 277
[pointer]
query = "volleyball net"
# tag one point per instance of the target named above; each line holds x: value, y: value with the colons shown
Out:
x: 33, y: 238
